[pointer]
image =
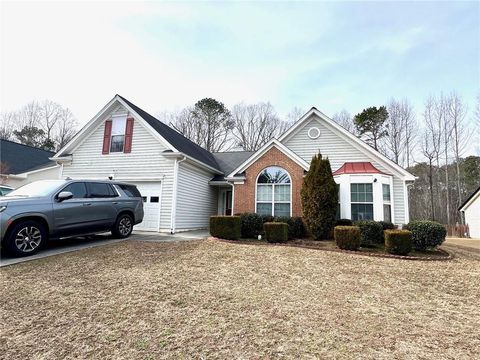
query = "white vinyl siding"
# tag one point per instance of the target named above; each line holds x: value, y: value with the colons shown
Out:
x: 332, y: 144
x: 196, y: 198
x: 144, y: 162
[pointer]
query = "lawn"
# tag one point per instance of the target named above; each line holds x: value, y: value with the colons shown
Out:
x: 207, y: 299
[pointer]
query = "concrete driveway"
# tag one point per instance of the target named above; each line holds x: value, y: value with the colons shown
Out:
x: 56, y: 247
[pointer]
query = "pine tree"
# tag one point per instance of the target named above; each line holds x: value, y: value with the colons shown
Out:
x: 319, y: 198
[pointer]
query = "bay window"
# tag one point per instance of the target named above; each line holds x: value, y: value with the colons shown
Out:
x: 273, y: 192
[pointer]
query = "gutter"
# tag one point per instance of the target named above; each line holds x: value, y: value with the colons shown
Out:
x: 174, y: 195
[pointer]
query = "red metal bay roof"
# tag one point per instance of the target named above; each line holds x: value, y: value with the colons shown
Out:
x: 357, y: 168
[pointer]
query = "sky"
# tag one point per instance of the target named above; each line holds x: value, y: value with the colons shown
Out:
x: 168, y: 55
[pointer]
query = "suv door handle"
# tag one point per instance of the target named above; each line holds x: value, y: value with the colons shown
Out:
x: 87, y: 204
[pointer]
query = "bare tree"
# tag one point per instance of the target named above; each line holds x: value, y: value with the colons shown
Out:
x: 8, y: 121
x: 65, y: 128
x: 294, y: 115
x: 460, y: 136
x: 345, y: 120
x: 395, y: 140
x: 429, y: 151
x: 50, y: 114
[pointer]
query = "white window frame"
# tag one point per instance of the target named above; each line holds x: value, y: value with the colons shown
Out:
x: 363, y: 202
x: 387, y: 202
x: 118, y: 118
x: 273, y: 185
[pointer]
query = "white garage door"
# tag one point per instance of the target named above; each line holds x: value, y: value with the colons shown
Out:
x: 151, y: 194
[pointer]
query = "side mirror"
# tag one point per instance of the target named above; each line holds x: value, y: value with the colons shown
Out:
x: 64, y: 195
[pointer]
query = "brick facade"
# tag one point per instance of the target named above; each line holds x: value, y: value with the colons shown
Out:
x: 244, y: 194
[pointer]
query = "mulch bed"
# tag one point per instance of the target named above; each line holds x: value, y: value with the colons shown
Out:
x: 328, y: 245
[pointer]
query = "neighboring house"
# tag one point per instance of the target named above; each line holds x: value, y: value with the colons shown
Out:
x: 471, y: 210
x: 183, y: 184
x: 21, y: 164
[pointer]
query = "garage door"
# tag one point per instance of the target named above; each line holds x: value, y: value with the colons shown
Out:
x: 151, y: 194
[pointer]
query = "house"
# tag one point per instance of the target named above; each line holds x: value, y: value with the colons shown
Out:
x: 21, y: 164
x: 471, y: 211
x: 183, y: 184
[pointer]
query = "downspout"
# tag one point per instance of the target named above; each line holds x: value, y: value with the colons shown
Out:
x: 407, y: 205
x: 174, y: 194
x: 233, y: 197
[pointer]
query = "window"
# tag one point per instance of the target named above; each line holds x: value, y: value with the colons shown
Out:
x: 361, y: 197
x: 79, y: 190
x: 130, y: 190
x: 273, y: 192
x: 117, y: 142
x: 387, y: 208
x: 101, y: 190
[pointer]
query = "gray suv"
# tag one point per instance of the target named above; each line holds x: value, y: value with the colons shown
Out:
x: 47, y: 209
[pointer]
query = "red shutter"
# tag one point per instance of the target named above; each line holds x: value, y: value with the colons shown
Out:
x: 106, y: 137
x: 128, y: 136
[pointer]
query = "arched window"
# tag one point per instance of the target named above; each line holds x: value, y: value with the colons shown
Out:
x: 274, y: 192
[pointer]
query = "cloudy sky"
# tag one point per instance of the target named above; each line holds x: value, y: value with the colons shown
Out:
x: 166, y: 55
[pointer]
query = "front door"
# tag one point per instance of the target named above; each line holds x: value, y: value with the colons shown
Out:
x: 228, y: 203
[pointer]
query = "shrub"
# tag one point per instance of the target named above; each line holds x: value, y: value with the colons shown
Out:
x: 347, y: 237
x: 344, y: 222
x: 319, y: 198
x: 252, y: 225
x: 296, y: 227
x: 387, y: 225
x: 267, y: 218
x: 398, y: 242
x: 426, y: 234
x: 226, y: 227
x: 276, y: 232
x: 371, y: 232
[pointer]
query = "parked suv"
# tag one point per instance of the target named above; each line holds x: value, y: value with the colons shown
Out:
x: 41, y: 210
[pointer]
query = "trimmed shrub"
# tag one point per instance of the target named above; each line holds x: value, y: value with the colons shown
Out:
x: 226, y: 227
x: 252, y: 225
x: 296, y: 227
x: 426, y: 234
x: 344, y: 222
x: 347, y: 237
x: 371, y: 232
x: 267, y: 218
x: 398, y: 242
x: 319, y: 198
x: 276, y: 232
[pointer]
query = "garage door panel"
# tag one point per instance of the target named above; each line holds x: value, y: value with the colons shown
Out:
x: 151, y: 194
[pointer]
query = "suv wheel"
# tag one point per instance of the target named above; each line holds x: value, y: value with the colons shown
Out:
x: 26, y: 238
x: 123, y: 226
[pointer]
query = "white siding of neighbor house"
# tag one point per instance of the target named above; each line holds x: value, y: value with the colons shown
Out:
x: 196, y: 199
x: 51, y: 173
x: 472, y: 217
x: 339, y: 150
x: 144, y: 162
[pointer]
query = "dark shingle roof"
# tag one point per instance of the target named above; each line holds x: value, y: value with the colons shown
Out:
x: 180, y: 142
x: 228, y: 161
x: 21, y: 158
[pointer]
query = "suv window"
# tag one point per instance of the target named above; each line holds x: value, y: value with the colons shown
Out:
x: 130, y: 190
x: 101, y: 190
x: 79, y: 190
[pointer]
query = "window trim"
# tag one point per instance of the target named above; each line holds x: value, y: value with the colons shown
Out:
x: 273, y: 202
x: 73, y: 182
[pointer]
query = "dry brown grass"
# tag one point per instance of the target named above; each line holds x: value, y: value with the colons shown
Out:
x: 139, y: 300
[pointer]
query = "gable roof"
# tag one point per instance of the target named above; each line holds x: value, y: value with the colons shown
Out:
x: 256, y: 155
x: 350, y: 137
x: 21, y: 158
x: 177, y: 140
x: 363, y: 167
x: 469, y: 200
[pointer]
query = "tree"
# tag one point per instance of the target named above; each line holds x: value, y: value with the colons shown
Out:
x: 256, y: 124
x: 471, y: 174
x: 429, y: 152
x: 399, y: 125
x: 371, y: 123
x: 208, y: 124
x: 345, y: 120
x: 294, y: 115
x: 33, y: 136
x: 65, y: 129
x: 319, y: 198
x: 7, y: 125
